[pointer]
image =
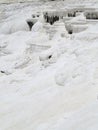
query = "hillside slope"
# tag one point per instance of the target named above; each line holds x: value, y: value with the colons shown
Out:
x: 48, y: 78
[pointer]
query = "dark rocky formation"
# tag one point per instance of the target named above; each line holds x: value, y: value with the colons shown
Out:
x: 30, y: 23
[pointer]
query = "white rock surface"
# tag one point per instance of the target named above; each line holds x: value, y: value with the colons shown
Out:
x: 47, y: 84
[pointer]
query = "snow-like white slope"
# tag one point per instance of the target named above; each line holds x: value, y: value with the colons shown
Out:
x: 47, y: 84
x: 86, y: 118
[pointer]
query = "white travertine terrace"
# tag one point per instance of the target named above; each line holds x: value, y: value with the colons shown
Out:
x: 49, y: 65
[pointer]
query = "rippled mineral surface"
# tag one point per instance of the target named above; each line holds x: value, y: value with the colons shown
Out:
x: 48, y: 65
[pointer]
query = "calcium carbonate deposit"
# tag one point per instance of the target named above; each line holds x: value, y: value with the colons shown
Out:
x: 49, y: 65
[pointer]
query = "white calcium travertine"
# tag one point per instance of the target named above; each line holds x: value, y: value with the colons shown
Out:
x: 48, y: 78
